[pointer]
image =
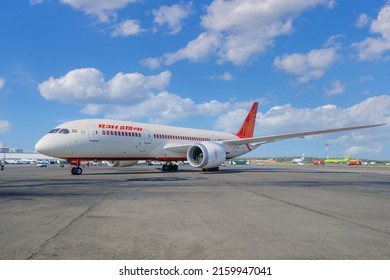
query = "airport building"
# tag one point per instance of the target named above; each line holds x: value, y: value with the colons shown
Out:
x: 11, y: 150
x: 4, y: 150
x: 15, y: 150
x: 17, y: 156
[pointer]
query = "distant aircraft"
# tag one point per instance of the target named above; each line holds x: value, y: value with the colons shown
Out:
x: 124, y: 143
x: 337, y: 160
x: 299, y: 160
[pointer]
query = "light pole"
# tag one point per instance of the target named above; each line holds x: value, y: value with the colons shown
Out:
x: 327, y: 150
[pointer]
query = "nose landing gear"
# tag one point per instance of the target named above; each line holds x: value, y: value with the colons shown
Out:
x: 76, y: 170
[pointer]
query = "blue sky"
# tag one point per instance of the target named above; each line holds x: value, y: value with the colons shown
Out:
x: 311, y: 64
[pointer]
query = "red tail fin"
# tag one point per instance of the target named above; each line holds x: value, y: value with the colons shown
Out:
x: 247, y: 128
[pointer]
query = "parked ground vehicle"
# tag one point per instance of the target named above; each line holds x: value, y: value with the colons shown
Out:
x: 318, y: 162
x: 41, y: 164
x: 354, y: 162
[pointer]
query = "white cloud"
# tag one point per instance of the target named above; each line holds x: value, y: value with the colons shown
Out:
x: 127, y: 28
x: 197, y: 50
x: 365, y: 79
x: 362, y: 21
x: 374, y: 48
x: 4, y: 126
x: 172, y: 16
x: 364, y: 150
x: 307, y: 66
x: 36, y: 2
x: 227, y: 76
x: 237, y: 30
x: 163, y: 107
x: 151, y: 62
x: 126, y: 96
x: 2, y: 83
x: 334, y: 41
x: 89, y: 85
x: 337, y: 88
x: 104, y: 10
x: 331, y: 4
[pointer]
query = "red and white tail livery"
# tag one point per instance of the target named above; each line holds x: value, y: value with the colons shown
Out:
x: 248, y: 127
x: 124, y: 143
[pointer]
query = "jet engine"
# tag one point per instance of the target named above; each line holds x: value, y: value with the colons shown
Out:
x: 123, y: 163
x: 206, y: 155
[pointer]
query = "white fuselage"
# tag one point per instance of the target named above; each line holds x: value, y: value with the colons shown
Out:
x: 104, y: 139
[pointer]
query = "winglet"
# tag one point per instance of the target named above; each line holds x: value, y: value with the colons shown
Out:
x: 247, y: 128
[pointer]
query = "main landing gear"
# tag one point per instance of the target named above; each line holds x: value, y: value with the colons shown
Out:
x: 169, y: 167
x: 77, y: 170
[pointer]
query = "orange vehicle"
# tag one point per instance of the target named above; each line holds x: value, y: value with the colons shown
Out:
x: 318, y: 162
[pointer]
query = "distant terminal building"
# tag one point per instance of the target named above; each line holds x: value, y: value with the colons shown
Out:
x: 15, y: 150
x: 17, y: 156
x: 4, y: 150
x: 11, y: 150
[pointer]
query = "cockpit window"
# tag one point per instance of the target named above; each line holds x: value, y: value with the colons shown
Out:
x: 54, y: 130
x: 64, y: 131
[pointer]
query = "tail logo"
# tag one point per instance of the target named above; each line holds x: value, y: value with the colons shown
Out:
x: 248, y: 127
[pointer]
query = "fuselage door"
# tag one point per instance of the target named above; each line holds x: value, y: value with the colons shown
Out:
x: 93, y: 133
x: 147, y: 136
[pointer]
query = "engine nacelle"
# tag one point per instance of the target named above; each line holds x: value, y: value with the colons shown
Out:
x: 206, y: 155
x: 121, y: 163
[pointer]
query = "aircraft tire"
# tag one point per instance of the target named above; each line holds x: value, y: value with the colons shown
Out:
x: 170, y: 168
x: 77, y: 170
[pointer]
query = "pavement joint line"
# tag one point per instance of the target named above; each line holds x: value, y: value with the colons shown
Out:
x: 36, y: 251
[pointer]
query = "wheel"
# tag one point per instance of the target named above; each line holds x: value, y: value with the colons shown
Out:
x: 78, y: 170
x: 164, y: 168
x: 175, y: 168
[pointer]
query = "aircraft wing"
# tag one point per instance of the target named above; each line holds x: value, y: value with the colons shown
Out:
x: 256, y: 141
x: 266, y: 139
x: 177, y: 148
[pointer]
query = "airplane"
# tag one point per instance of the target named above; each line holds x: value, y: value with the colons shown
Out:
x: 337, y: 160
x: 299, y: 160
x: 124, y: 143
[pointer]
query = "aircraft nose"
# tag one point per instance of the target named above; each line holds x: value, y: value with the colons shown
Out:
x: 43, y: 146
